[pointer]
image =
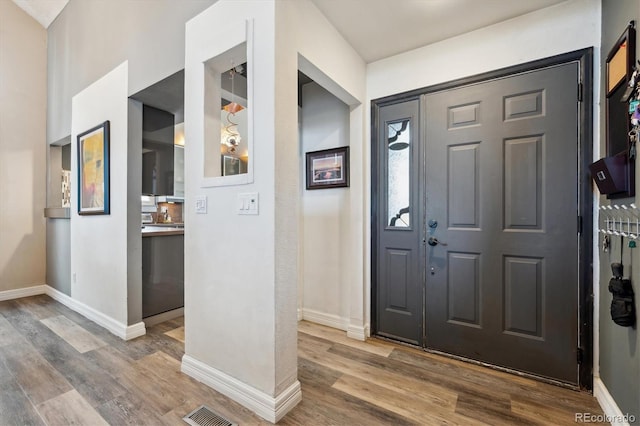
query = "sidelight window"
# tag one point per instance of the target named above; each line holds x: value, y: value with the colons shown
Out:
x: 398, y: 169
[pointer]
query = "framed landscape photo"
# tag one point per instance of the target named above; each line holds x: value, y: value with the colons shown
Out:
x: 93, y: 170
x: 328, y: 168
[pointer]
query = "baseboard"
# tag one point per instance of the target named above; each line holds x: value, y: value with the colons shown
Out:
x: 165, y: 316
x: 23, y: 292
x: 330, y: 320
x: 270, y: 408
x: 116, y: 327
x: 357, y: 332
x: 609, y: 406
x: 299, y: 311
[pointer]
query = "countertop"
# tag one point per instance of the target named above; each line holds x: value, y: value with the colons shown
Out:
x: 161, y: 230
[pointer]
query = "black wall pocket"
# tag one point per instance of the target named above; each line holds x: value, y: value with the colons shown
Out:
x: 622, y: 306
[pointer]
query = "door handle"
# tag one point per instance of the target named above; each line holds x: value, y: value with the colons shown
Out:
x: 433, y: 241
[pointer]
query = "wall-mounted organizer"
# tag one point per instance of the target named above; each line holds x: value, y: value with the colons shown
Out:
x: 615, y: 174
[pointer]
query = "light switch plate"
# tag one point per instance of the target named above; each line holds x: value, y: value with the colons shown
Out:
x: 248, y: 203
x: 201, y: 204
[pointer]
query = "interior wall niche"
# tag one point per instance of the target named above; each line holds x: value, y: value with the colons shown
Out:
x: 619, y: 69
x: 228, y: 112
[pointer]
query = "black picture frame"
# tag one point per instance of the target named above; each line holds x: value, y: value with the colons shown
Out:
x: 93, y: 170
x: 328, y: 168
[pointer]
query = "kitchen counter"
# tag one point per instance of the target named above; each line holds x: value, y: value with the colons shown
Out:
x: 161, y: 230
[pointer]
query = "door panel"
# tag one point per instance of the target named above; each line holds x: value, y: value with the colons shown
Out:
x: 399, y: 284
x: 501, y: 180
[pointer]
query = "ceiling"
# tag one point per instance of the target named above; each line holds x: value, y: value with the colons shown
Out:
x: 381, y: 28
x: 43, y: 11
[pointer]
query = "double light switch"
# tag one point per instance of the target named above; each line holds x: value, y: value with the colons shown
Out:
x: 248, y: 203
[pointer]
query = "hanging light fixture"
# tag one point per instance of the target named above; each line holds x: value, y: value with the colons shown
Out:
x: 230, y: 136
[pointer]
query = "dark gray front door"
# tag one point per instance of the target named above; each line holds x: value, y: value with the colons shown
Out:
x: 399, y: 279
x: 488, y: 174
x: 501, y: 181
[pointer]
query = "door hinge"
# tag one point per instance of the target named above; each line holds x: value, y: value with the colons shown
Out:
x: 579, y: 225
x: 580, y: 355
x: 580, y: 89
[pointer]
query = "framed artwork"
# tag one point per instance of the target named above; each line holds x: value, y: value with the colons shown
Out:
x: 230, y: 165
x: 93, y: 170
x: 328, y: 168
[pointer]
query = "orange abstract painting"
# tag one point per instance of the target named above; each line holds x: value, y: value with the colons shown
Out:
x: 93, y: 170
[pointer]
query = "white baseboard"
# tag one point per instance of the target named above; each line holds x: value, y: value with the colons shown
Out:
x: 23, y: 292
x: 357, y: 332
x: 300, y: 314
x: 165, y: 316
x: 270, y: 408
x: 121, y: 330
x: 609, y: 406
x: 330, y: 320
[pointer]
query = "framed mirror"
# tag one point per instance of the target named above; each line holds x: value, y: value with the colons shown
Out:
x: 225, y: 87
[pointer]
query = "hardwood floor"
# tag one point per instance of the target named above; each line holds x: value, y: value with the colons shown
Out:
x: 58, y: 368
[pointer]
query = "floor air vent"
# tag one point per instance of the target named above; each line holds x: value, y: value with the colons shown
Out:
x: 204, y: 416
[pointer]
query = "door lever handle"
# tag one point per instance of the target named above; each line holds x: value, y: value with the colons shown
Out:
x: 433, y: 241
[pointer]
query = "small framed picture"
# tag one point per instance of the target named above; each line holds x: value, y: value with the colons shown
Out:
x: 230, y: 165
x: 93, y: 170
x: 328, y: 168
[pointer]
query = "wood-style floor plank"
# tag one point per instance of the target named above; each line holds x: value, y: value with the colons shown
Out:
x: 322, y: 404
x: 46, y: 378
x: 176, y: 333
x: 9, y: 335
x: 15, y: 406
x: 73, y: 334
x: 70, y: 408
x: 372, y: 346
x: 400, y: 384
x: 37, y: 378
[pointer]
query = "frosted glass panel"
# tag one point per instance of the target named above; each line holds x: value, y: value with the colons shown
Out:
x: 398, y: 163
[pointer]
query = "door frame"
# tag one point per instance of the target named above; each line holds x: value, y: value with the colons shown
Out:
x: 584, y: 58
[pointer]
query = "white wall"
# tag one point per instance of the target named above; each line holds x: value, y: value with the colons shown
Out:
x: 99, y: 243
x: 566, y: 27
x: 239, y: 314
x: 241, y: 271
x: 326, y: 220
x: 23, y: 85
x: 307, y: 41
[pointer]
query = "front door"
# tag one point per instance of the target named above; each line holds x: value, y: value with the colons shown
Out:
x: 501, y: 181
x: 399, y: 290
x: 500, y: 226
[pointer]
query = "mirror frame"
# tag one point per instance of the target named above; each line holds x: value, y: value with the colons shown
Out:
x: 239, y: 49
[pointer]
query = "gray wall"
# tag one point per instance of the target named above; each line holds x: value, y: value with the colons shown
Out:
x: 92, y: 37
x: 59, y: 255
x: 619, y: 346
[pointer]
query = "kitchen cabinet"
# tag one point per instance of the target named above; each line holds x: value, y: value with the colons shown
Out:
x: 178, y: 171
x: 162, y: 272
x: 157, y: 151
